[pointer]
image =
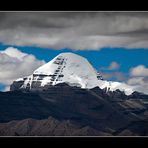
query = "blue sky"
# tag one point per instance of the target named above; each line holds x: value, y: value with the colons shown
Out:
x: 127, y: 58
x: 2, y: 86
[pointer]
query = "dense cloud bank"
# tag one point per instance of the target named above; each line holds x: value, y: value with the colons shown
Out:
x: 75, y: 30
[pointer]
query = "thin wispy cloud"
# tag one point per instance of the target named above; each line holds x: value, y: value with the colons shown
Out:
x: 113, y: 66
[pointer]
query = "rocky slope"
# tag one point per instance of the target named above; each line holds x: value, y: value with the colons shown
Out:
x: 65, y: 110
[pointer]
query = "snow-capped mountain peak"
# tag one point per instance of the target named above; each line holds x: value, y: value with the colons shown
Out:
x: 72, y: 69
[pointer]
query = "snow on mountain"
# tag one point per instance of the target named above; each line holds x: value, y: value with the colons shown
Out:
x: 112, y: 86
x: 71, y: 69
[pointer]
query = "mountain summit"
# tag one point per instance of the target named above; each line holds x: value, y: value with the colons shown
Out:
x: 67, y: 68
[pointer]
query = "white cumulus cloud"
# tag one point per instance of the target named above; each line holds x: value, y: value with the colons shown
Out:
x: 15, y: 64
x: 140, y: 84
x: 139, y: 70
x: 139, y: 78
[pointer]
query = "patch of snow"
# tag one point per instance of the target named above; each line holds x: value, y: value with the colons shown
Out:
x: 19, y: 79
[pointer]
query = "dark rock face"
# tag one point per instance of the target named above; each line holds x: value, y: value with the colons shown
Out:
x: 116, y: 95
x: 46, y: 127
x: 81, y: 111
x: 16, y: 85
